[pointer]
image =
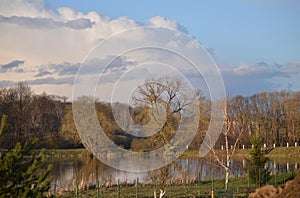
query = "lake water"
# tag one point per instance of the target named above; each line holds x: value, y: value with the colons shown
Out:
x: 86, y: 172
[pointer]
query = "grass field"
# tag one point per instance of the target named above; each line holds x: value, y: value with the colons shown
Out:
x: 278, y: 152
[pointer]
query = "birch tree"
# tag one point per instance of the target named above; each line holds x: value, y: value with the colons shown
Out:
x: 235, y: 125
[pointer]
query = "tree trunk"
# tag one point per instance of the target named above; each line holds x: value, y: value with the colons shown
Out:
x: 226, y: 177
x: 227, y: 162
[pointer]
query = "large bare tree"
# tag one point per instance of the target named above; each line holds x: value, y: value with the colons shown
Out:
x: 174, y: 96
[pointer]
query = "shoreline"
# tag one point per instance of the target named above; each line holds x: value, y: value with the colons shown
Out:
x: 278, y: 152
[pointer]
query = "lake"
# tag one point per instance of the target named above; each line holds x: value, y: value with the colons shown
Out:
x: 86, y: 172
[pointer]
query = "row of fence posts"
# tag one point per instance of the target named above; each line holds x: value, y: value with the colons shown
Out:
x: 137, y: 189
x: 170, y: 185
x: 264, y: 145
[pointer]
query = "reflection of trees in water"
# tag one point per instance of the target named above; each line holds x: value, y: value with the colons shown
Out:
x: 67, y: 172
x: 63, y: 173
x: 187, y: 171
x: 86, y: 173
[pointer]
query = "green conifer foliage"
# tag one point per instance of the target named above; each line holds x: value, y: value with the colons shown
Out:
x: 4, y: 125
x: 21, y: 171
x: 256, y: 163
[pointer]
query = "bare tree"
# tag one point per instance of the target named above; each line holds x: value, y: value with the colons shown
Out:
x: 235, y: 126
x: 173, y: 96
x: 47, y: 114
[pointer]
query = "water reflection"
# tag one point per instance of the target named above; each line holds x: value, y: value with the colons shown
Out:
x: 281, y: 166
x: 86, y: 172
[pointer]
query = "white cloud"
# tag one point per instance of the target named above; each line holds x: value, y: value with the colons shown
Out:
x: 248, y: 79
x: 53, y: 43
x: 42, y: 36
x: 33, y: 8
x: 69, y: 14
x: 160, y: 21
x: 265, y: 69
x: 292, y: 68
x: 247, y: 69
x: 46, y: 23
x: 163, y: 22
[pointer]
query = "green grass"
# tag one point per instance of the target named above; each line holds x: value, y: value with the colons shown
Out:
x: 69, y: 153
x: 285, y: 151
x: 239, y: 187
x: 278, y: 152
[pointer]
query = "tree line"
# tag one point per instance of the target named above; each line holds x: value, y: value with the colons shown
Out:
x: 274, y: 116
x: 32, y: 116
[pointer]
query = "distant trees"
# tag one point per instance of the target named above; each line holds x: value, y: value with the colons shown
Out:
x: 277, y: 116
x: 16, y: 103
x: 274, y: 115
x: 32, y: 116
x: 68, y: 131
x: 109, y: 125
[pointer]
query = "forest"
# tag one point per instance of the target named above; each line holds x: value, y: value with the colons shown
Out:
x: 275, y: 116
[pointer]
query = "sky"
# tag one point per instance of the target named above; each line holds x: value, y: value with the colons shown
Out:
x: 255, y: 43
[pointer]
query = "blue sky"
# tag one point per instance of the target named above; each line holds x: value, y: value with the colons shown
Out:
x: 255, y: 43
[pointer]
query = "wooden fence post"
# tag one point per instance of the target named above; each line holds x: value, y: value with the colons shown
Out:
x: 76, y: 192
x: 119, y: 188
x: 137, y: 188
x: 212, y: 185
